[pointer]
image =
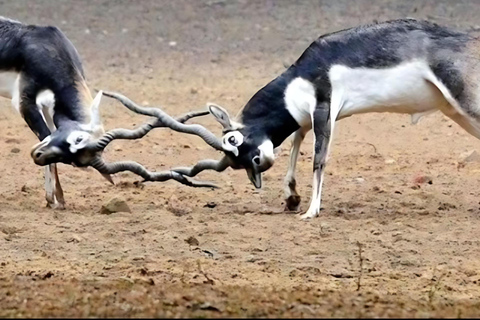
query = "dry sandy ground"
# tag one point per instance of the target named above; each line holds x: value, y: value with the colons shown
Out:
x: 419, y: 243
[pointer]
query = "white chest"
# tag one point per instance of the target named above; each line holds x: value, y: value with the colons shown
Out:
x: 300, y: 101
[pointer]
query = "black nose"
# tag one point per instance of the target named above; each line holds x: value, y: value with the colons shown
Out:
x: 37, y: 154
x: 42, y: 156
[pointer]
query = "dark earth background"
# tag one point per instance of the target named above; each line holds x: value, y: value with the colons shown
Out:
x: 399, y: 229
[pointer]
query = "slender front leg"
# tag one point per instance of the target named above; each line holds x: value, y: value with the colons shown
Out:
x: 58, y: 189
x: 33, y: 115
x: 323, y: 128
x: 53, y: 189
x: 292, y: 198
x: 49, y: 186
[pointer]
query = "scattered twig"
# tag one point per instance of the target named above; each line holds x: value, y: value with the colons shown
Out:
x: 209, y: 280
x: 360, y: 262
x: 435, y: 285
x: 374, y: 148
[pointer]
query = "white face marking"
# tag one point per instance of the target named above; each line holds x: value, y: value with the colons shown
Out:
x: 267, y: 155
x: 231, y: 141
x: 300, y: 101
x: 405, y: 88
x: 42, y: 143
x: 78, y: 140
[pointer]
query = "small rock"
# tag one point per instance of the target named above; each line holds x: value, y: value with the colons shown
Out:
x: 470, y: 156
x: 192, y: 241
x: 193, y: 90
x: 210, y: 205
x: 294, y: 273
x: 138, y: 258
x: 340, y: 273
x: 15, y: 150
x: 74, y: 239
x: 46, y: 275
x: 116, y: 204
x: 172, y: 43
x: 117, y: 148
x: 210, y: 253
x: 305, y: 309
x: 359, y: 180
x: 252, y: 258
x: 208, y: 306
x: 390, y: 161
x: 324, y: 226
x: 421, y: 178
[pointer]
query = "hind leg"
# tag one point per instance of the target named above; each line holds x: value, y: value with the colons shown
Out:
x: 469, y: 124
x: 323, y: 130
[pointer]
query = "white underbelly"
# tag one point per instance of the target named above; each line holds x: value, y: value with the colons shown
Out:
x: 401, y: 89
x: 10, y: 87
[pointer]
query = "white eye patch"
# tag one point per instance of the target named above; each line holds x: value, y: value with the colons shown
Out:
x: 231, y: 141
x: 78, y: 140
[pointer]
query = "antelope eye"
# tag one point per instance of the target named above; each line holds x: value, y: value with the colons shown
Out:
x: 256, y: 160
x: 78, y: 139
x: 233, y: 139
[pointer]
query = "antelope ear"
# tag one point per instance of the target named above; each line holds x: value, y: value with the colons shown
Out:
x: 95, y: 120
x: 221, y: 115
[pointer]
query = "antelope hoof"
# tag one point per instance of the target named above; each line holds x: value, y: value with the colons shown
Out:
x: 292, y: 203
x: 308, y: 215
x: 56, y: 205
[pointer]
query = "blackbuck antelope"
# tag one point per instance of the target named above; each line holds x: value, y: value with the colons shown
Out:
x: 401, y: 66
x: 41, y: 72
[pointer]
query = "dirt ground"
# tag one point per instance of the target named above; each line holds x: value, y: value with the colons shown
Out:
x: 383, y: 246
